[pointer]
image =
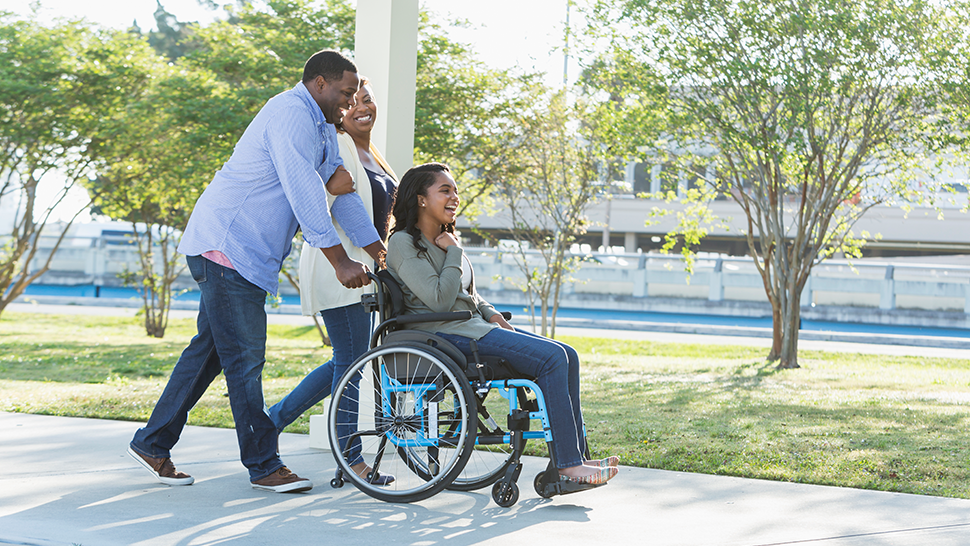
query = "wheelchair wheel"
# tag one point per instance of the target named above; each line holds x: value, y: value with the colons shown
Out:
x: 485, y: 465
x: 410, y: 412
x: 493, y: 455
x: 505, y: 495
x: 490, y: 459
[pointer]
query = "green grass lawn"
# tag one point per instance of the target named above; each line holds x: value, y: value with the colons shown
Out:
x: 866, y: 421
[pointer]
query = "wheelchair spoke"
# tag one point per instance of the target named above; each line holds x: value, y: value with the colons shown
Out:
x: 416, y: 417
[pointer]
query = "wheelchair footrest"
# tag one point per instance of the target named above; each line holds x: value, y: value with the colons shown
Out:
x: 549, y: 483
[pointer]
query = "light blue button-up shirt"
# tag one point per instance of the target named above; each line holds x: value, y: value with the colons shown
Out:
x: 272, y: 185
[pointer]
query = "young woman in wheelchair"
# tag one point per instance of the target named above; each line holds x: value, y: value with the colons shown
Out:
x: 426, y: 259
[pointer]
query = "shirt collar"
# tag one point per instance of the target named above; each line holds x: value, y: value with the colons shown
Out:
x: 307, y: 98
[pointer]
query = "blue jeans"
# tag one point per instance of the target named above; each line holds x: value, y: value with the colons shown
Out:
x: 231, y: 339
x: 349, y: 329
x: 555, y: 366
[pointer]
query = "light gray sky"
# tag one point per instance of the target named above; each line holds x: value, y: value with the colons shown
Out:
x: 523, y: 34
x: 506, y: 33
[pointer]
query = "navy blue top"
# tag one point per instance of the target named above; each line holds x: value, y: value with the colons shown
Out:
x: 383, y: 189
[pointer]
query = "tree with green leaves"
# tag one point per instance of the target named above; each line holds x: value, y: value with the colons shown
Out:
x: 171, y: 37
x: 464, y: 111
x: 556, y: 173
x: 184, y: 125
x: 811, y: 113
x: 56, y: 86
x: 153, y: 163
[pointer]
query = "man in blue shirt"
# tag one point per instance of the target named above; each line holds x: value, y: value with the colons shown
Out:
x: 238, y: 235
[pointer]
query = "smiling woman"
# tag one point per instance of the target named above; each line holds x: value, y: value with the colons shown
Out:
x: 348, y: 324
x: 425, y: 258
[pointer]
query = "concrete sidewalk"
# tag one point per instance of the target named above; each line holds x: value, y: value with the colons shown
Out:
x: 67, y: 481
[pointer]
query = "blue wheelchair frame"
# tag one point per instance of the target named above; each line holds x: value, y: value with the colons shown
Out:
x: 504, y: 490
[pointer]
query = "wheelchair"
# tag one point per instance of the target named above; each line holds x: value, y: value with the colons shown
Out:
x: 421, y: 410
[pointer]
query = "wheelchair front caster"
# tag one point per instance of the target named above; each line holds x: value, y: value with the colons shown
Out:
x: 338, y: 480
x: 540, y: 487
x: 505, y: 495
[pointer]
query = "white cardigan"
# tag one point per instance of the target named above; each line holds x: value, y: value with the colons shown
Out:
x: 319, y: 288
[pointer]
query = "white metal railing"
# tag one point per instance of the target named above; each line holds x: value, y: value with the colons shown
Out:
x: 862, y: 283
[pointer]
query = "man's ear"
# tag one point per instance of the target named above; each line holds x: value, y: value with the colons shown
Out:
x: 320, y: 82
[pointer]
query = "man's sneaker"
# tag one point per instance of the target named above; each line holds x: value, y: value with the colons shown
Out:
x: 162, y: 469
x: 283, y: 481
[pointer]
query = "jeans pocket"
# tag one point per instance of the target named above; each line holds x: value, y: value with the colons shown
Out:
x: 197, y: 267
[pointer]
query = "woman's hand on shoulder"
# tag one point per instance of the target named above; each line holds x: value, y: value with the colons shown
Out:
x: 445, y: 240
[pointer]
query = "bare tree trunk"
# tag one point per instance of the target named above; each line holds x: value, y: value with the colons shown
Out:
x: 777, y: 331
x: 788, y: 356
x: 323, y: 335
x: 14, y: 280
x: 555, y: 306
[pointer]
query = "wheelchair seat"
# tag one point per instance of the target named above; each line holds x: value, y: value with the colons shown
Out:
x: 494, y: 368
x: 404, y: 337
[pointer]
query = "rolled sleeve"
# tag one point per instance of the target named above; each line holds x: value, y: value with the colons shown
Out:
x: 348, y: 209
x: 485, y: 308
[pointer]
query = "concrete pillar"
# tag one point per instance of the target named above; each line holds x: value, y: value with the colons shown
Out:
x: 386, y: 51
x: 716, y: 286
x: 640, y: 289
x: 887, y: 296
x: 606, y: 224
x: 655, y: 181
x: 966, y: 298
x: 630, y: 242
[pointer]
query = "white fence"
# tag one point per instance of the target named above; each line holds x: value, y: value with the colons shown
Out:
x: 835, y: 282
x: 883, y: 285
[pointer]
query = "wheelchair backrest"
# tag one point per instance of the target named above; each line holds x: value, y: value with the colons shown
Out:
x: 393, y: 295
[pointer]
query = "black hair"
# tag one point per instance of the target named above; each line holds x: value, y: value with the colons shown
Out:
x: 327, y: 63
x: 340, y: 124
x: 416, y: 182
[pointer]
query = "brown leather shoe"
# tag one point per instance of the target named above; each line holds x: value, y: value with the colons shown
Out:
x: 283, y: 481
x: 162, y: 469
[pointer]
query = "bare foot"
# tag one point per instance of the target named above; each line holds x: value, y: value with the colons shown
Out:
x: 612, y: 460
x: 361, y: 469
x: 579, y: 471
x: 591, y: 475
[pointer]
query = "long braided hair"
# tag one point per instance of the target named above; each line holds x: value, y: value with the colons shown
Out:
x: 416, y: 182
